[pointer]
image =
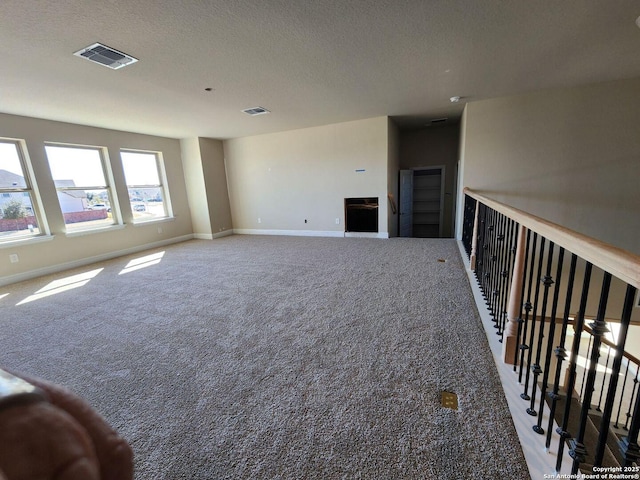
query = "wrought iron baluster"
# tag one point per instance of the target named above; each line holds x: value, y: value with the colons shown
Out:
x: 561, y: 354
x: 552, y: 331
x: 497, y: 277
x: 534, y: 323
x: 584, y: 370
x: 604, y: 376
x: 629, y: 444
x: 633, y: 396
x: 615, y: 372
x: 536, y: 369
x: 624, y: 385
x: 508, y: 252
x: 599, y: 327
x: 564, y: 434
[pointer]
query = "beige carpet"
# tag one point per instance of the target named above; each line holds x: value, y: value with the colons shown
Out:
x: 276, y: 358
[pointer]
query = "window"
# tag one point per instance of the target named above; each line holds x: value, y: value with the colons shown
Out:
x: 147, y: 194
x: 83, y: 190
x: 17, y: 213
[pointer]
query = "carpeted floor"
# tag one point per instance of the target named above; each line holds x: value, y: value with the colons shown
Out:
x: 275, y: 358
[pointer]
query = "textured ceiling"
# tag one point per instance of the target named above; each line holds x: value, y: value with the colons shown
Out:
x: 309, y: 62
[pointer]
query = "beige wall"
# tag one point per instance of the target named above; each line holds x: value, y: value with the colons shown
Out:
x: 569, y: 155
x: 284, y: 178
x: 206, y: 180
x: 215, y: 178
x: 431, y: 147
x: 65, y: 251
x: 195, y: 183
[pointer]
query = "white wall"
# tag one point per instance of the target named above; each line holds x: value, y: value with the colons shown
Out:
x: 568, y: 155
x: 70, y: 250
x: 284, y: 178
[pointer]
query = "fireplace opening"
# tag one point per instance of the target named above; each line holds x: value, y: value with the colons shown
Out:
x: 361, y: 214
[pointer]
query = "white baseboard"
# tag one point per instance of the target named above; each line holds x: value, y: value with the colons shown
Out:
x: 289, y: 233
x: 310, y: 233
x: 366, y: 234
x: 224, y: 233
x: 20, y: 277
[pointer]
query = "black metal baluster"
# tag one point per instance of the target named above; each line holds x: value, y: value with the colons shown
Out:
x: 599, y: 327
x: 584, y: 370
x: 522, y: 302
x: 481, y: 253
x: 564, y: 434
x: 624, y: 386
x: 509, y: 250
x: 552, y: 331
x: 534, y: 323
x: 633, y: 396
x: 561, y: 352
x: 491, y: 262
x: 604, y: 375
x: 615, y: 372
x: 527, y: 308
x: 629, y: 444
x: 469, y: 216
x: 547, y: 281
x: 497, y: 288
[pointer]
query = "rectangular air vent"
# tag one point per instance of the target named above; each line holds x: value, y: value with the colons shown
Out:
x: 256, y: 111
x: 107, y: 56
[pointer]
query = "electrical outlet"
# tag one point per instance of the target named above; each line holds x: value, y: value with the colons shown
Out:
x: 13, y: 258
x: 259, y: 220
x: 337, y: 221
x: 159, y: 230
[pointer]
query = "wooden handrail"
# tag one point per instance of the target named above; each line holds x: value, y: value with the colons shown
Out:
x: 618, y: 262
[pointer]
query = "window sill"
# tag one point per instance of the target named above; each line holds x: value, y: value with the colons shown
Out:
x: 141, y: 223
x: 26, y: 241
x: 91, y: 231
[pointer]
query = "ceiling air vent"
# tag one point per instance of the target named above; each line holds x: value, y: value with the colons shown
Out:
x: 106, y: 56
x: 256, y: 111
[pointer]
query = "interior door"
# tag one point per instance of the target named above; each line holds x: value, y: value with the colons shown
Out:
x: 405, y: 226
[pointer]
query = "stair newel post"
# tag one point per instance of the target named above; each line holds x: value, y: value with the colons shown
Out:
x: 579, y: 324
x: 474, y: 238
x: 598, y: 328
x: 561, y: 352
x: 514, y: 310
x: 615, y: 372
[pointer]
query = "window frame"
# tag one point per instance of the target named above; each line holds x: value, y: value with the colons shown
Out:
x: 30, y: 189
x: 107, y: 174
x: 163, y: 186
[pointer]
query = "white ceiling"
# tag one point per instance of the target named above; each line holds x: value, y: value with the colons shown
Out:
x: 309, y: 62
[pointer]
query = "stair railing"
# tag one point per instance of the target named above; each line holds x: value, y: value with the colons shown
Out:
x: 534, y: 275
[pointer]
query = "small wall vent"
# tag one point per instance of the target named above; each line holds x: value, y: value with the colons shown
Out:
x: 106, y: 56
x: 256, y: 111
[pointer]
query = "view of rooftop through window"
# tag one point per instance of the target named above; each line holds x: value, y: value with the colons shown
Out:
x: 17, y: 212
x: 144, y: 183
x: 83, y: 190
